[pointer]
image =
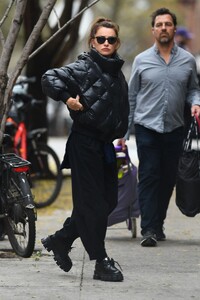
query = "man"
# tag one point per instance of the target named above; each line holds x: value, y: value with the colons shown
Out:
x: 163, y: 79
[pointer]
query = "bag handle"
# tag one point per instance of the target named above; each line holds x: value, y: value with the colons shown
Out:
x: 194, y: 129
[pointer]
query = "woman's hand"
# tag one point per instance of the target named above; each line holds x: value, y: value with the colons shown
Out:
x: 74, y: 104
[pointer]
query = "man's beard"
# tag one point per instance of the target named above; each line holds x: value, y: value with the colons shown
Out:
x: 164, y: 40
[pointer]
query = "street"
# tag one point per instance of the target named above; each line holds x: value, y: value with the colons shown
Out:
x: 169, y: 271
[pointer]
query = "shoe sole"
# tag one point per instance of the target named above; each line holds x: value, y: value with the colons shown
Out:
x: 149, y: 242
x: 48, y: 245
x: 108, y: 277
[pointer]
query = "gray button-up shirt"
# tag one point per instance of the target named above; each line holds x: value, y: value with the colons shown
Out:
x: 158, y: 91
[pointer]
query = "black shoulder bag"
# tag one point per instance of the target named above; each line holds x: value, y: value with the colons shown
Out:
x: 188, y: 176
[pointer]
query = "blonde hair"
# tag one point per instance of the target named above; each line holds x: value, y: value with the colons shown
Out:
x: 102, y: 22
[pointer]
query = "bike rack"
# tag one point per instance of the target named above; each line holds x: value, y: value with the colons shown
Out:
x: 13, y: 160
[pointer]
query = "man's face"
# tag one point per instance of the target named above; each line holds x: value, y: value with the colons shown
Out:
x: 164, y: 29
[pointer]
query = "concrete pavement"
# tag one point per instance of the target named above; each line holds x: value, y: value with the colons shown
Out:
x: 167, y: 272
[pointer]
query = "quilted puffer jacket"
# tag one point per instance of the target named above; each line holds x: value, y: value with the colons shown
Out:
x: 103, y: 91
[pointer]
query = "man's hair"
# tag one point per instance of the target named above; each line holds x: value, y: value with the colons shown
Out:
x: 163, y: 11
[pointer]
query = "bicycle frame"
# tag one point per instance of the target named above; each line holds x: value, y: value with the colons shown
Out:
x: 20, y: 138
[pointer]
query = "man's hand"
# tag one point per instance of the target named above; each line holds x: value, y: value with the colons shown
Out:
x: 74, y: 104
x: 195, y: 111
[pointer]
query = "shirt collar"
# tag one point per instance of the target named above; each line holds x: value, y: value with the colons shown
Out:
x: 173, y: 51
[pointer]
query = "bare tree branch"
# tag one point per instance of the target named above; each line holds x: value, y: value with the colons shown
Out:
x: 12, y: 36
x: 7, y: 83
x: 4, y: 62
x: 62, y: 28
x: 57, y: 18
x: 31, y: 41
x: 2, y: 38
x: 6, y: 12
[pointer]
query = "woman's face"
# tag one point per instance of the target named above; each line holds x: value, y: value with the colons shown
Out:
x: 105, y: 41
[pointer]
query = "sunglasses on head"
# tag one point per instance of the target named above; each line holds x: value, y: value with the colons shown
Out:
x: 101, y: 39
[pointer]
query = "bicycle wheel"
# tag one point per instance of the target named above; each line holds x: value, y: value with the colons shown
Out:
x: 46, y: 176
x: 20, y: 219
x: 21, y: 234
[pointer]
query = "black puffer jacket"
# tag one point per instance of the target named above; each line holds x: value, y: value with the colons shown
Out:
x: 103, y: 91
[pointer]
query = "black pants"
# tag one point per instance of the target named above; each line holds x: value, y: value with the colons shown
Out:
x: 158, y: 155
x: 94, y: 191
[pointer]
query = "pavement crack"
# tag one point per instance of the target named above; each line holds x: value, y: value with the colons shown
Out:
x: 82, y: 272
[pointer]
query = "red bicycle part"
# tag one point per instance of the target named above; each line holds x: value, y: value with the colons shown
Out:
x: 20, y: 139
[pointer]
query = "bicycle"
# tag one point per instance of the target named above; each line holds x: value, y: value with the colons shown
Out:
x: 45, y: 174
x: 17, y: 209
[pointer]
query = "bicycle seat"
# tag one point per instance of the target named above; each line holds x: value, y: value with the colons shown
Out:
x: 36, y: 133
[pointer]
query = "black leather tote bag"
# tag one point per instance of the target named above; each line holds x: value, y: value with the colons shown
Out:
x: 188, y: 176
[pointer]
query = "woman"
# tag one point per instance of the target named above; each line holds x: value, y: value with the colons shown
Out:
x: 95, y: 91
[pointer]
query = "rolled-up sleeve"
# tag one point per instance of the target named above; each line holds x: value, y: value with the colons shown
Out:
x: 193, y: 94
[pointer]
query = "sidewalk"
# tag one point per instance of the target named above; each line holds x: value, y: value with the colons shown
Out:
x: 169, y: 271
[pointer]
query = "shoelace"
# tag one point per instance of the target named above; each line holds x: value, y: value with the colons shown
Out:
x: 113, y: 262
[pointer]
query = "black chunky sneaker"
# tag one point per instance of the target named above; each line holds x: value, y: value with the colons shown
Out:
x: 60, y: 252
x: 148, y: 240
x: 106, y: 271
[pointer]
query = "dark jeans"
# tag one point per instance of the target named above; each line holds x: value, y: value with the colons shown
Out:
x: 95, y: 193
x: 158, y: 155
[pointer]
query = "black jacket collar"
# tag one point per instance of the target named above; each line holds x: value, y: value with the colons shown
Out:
x: 111, y: 65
